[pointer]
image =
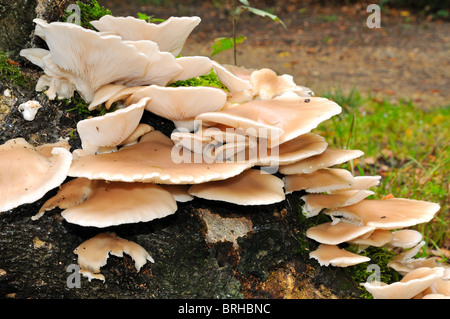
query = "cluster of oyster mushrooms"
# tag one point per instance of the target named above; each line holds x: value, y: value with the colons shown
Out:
x: 248, y: 144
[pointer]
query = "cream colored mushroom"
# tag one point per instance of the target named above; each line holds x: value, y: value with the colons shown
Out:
x: 78, y: 56
x: 102, y: 204
x: 109, y: 130
x: 335, y: 233
x: 277, y: 120
x: 314, y: 203
x: 360, y: 183
x: 388, y: 213
x: 409, y: 286
x: 29, y: 109
x: 378, y: 238
x: 405, y: 238
x: 170, y: 35
x: 94, y: 253
x: 153, y: 159
x: 181, y: 104
x: 105, y: 93
x: 193, y: 66
x: 26, y: 175
x: 330, y: 157
x: 266, y: 84
x: 252, y: 187
x: 322, y: 180
x: 333, y: 255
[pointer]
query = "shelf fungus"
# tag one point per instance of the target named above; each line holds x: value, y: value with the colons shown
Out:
x: 94, y: 253
x: 83, y: 201
x: 28, y: 174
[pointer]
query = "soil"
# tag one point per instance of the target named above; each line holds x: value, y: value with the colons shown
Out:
x: 325, y: 47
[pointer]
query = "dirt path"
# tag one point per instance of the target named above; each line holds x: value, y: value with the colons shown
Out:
x: 329, y: 47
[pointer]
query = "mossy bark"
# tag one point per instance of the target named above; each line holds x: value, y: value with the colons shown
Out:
x: 268, y: 260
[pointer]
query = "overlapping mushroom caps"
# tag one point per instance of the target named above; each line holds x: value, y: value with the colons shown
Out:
x: 261, y: 119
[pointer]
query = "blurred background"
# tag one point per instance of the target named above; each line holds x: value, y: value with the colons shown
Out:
x: 327, y: 45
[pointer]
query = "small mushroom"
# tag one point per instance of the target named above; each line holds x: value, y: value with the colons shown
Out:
x: 266, y: 84
x: 26, y: 175
x: 29, y: 109
x: 405, y: 238
x: 378, y: 238
x: 252, y: 187
x: 94, y: 253
x: 409, y: 286
x: 322, y: 180
x: 388, y: 213
x: 333, y: 255
x: 333, y: 233
x: 314, y: 203
x: 153, y: 159
x: 328, y: 158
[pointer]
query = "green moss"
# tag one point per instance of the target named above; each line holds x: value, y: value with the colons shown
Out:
x: 203, y: 80
x: 11, y: 73
x: 88, y: 13
x: 78, y: 105
x: 379, y: 257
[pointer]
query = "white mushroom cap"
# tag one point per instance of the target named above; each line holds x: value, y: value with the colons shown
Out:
x: 388, y: 213
x: 181, y: 104
x: 232, y: 82
x: 93, y: 253
x: 322, y: 180
x: 153, y: 159
x: 333, y: 255
x: 277, y: 120
x: 405, y: 238
x: 104, y: 93
x: 409, y: 286
x: 361, y: 183
x: 170, y: 35
x: 252, y: 187
x: 26, y: 175
x: 314, y: 203
x: 110, y: 129
x: 328, y: 158
x: 29, y: 109
x: 103, y: 204
x: 333, y: 233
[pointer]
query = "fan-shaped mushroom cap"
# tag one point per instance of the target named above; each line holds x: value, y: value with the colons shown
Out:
x: 26, y: 175
x: 79, y: 56
x: 378, y: 238
x: 252, y: 187
x: 181, y: 104
x: 405, y: 238
x: 333, y: 255
x: 409, y: 286
x: 328, y: 158
x: 277, y: 120
x: 84, y: 203
x: 110, y: 129
x: 170, y: 35
x: 93, y: 253
x: 314, y: 203
x: 232, y: 82
x: 153, y: 159
x: 388, y: 213
x: 361, y: 183
x: 333, y: 233
x: 322, y: 180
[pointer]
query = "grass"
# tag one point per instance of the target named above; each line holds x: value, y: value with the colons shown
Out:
x: 407, y: 145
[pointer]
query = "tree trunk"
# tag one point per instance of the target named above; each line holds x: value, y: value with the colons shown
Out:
x: 207, y: 249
